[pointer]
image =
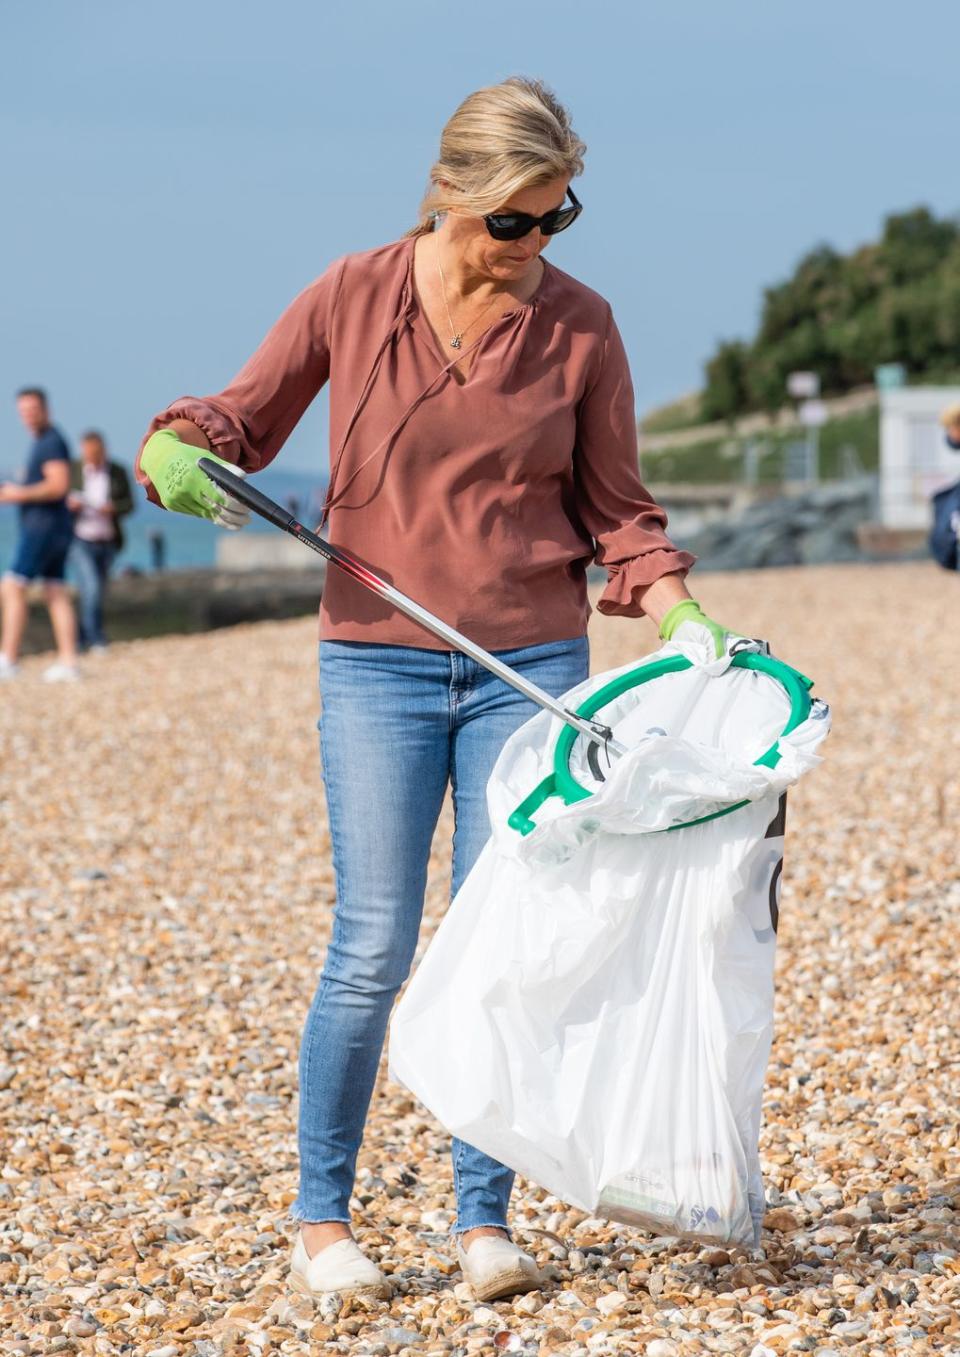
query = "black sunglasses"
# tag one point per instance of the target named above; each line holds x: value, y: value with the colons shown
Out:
x: 513, y: 225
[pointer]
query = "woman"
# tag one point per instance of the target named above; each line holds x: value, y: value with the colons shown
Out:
x: 483, y: 453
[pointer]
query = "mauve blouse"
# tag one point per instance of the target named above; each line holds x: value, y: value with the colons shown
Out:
x: 485, y: 500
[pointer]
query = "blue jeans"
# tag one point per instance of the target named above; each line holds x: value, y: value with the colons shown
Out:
x: 398, y: 722
x: 92, y: 562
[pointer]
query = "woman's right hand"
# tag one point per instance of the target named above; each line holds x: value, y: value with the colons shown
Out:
x: 182, y: 487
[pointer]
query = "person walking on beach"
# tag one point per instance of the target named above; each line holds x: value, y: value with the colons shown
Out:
x: 483, y: 453
x: 46, y: 531
x: 99, y: 497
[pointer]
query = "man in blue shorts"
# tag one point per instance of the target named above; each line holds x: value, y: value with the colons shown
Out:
x: 46, y: 531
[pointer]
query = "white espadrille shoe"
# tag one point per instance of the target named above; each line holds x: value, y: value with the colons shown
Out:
x: 497, y: 1267
x: 339, y: 1267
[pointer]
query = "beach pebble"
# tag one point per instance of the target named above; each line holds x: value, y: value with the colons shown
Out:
x: 611, y: 1302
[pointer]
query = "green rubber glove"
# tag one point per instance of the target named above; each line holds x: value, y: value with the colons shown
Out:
x: 688, y: 613
x: 182, y: 486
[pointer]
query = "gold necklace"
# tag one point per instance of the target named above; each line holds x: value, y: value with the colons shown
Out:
x: 457, y: 340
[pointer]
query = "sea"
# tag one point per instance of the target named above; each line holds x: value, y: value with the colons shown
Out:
x: 189, y: 543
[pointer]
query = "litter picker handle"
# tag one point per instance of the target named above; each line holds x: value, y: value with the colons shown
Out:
x: 243, y: 491
x: 594, y: 731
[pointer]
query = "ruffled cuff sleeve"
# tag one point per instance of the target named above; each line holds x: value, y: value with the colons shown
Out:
x: 220, y: 426
x: 628, y: 579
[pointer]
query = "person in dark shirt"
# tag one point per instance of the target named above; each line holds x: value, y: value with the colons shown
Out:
x: 46, y: 531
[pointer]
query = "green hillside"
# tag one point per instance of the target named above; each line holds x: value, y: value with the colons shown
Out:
x: 895, y: 300
x: 720, y: 461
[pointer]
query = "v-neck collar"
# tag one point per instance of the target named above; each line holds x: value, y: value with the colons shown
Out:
x: 477, y: 345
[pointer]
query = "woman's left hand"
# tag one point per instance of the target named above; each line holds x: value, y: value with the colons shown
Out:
x: 687, y: 621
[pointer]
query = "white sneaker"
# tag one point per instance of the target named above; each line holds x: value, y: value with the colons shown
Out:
x: 495, y: 1267
x: 61, y: 673
x: 339, y: 1267
x: 7, y: 669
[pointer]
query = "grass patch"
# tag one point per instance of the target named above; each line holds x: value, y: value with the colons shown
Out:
x: 723, y: 461
x: 679, y: 414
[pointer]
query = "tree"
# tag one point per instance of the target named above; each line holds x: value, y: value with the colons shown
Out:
x: 726, y: 392
x: 814, y: 287
x: 914, y: 244
x: 894, y: 300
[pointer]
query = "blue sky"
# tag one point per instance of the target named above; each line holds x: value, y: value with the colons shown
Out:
x: 174, y: 173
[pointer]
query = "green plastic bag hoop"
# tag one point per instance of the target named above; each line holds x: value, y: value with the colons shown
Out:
x: 561, y: 781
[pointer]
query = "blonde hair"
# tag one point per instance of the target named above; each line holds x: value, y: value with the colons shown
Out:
x: 500, y: 140
x: 951, y: 415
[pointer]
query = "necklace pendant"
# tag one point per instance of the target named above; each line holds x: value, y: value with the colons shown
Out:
x: 455, y: 342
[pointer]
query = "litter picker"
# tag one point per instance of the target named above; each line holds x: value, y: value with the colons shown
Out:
x: 598, y: 734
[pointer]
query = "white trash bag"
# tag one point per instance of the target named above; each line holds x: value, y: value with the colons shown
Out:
x: 596, y: 1008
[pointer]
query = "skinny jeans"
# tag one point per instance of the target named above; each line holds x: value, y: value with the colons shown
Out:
x: 397, y: 724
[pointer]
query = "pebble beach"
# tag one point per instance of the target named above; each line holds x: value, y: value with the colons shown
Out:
x: 167, y: 889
